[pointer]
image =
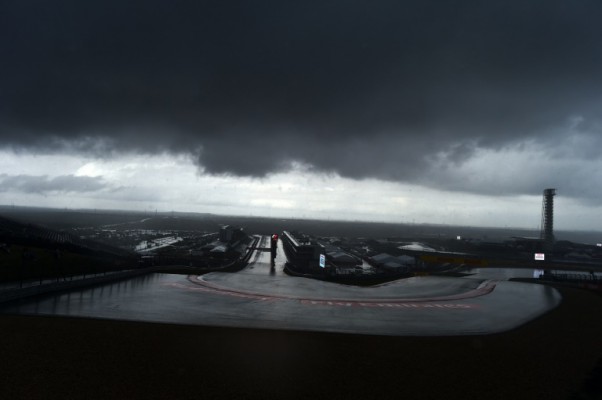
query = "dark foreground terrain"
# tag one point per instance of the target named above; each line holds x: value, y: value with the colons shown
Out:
x: 553, y: 357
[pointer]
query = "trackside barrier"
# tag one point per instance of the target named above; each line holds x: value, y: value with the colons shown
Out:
x: 20, y: 293
x: 16, y: 293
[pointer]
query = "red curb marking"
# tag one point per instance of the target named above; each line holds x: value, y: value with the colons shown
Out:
x: 406, y: 305
x: 424, y: 303
x: 210, y: 290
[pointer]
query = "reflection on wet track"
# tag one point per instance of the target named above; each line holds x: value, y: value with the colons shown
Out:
x: 263, y: 296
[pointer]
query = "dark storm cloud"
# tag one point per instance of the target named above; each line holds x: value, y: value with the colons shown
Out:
x: 363, y: 89
x: 44, y: 184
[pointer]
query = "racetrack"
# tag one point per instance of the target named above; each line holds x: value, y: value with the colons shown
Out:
x: 262, y: 296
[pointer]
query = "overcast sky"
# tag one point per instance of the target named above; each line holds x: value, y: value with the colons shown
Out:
x: 424, y: 111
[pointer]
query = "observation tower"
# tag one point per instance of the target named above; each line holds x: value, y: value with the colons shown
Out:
x: 547, y: 219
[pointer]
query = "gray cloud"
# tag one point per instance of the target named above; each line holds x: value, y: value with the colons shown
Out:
x: 44, y: 184
x: 397, y: 90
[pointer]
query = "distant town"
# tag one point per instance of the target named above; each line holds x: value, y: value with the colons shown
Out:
x: 58, y: 239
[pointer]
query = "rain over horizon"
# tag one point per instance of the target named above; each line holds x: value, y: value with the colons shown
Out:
x: 397, y: 111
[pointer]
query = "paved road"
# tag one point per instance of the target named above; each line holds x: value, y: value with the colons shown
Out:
x: 260, y: 263
x: 262, y: 296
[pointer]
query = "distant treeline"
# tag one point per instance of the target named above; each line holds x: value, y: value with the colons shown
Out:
x: 70, y: 219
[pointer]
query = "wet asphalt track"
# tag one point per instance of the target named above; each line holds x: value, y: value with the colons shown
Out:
x: 263, y: 296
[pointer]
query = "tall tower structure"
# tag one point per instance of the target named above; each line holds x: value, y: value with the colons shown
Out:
x: 547, y: 219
